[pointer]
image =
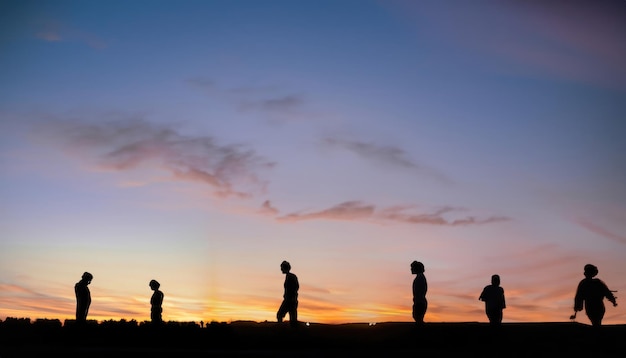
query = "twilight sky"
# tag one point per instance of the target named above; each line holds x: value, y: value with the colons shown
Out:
x: 201, y: 143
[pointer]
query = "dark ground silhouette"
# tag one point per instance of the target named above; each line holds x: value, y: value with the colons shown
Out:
x: 23, y: 338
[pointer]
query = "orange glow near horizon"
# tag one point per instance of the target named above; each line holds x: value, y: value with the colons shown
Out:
x: 177, y: 309
x: 339, y: 317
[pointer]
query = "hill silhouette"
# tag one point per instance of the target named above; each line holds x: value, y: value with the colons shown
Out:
x: 26, y: 338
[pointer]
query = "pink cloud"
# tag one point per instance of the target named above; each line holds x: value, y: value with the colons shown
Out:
x: 275, y: 108
x: 575, y: 41
x: 597, y: 229
x: 24, y: 302
x: 572, y: 40
x: 50, y: 36
x: 53, y: 31
x: 16, y: 289
x: 350, y: 210
x: 265, y: 100
x: 358, y: 211
x: 387, y: 155
x: 284, y: 103
x: 132, y: 144
x: 268, y: 209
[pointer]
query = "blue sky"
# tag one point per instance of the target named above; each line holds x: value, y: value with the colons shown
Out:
x: 200, y: 143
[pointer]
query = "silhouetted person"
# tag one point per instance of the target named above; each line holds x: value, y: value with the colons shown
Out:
x: 290, y: 297
x: 592, y: 291
x: 155, y: 303
x: 420, y: 304
x: 493, y: 296
x: 83, y: 297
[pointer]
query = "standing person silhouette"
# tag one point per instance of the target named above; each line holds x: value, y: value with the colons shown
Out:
x: 592, y: 291
x: 493, y: 296
x: 290, y: 296
x: 83, y: 297
x: 420, y: 287
x: 155, y: 302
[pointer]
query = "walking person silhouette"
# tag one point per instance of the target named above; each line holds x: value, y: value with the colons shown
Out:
x: 290, y: 296
x: 83, y: 297
x: 420, y: 287
x: 591, y: 292
x: 493, y: 296
x: 156, y: 302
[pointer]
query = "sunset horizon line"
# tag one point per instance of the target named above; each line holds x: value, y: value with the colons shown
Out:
x: 203, y: 323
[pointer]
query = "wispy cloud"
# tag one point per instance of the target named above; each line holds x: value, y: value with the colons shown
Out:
x: 22, y: 299
x: 383, y: 155
x: 130, y: 144
x: 358, y: 211
x: 443, y: 216
x: 207, y: 83
x: 201, y: 83
x: 268, y: 209
x: 599, y: 230
x: 54, y: 31
x: 279, y: 104
x: 270, y: 101
x: 18, y: 290
x: 49, y: 35
x: 572, y: 40
x: 252, y: 90
x: 351, y: 210
x: 580, y: 41
x: 276, y: 108
x: 544, y: 257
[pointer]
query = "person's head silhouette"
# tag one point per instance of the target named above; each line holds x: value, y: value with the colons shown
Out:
x: 87, y: 277
x: 154, y: 284
x: 590, y: 271
x: 285, y: 267
x: 417, y: 267
x: 495, y: 280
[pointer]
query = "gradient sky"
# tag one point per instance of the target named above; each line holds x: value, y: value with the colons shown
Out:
x: 201, y: 143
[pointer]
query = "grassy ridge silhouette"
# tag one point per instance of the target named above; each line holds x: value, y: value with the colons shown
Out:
x: 21, y: 337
